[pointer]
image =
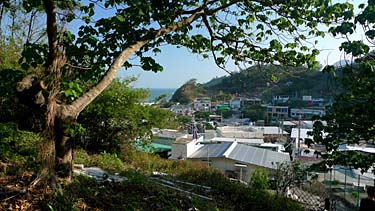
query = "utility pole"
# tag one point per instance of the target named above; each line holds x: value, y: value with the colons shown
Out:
x: 299, y: 136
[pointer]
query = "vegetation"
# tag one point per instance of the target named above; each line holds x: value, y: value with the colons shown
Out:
x: 254, y: 112
x: 349, y: 119
x: 188, y: 92
x: 259, y: 179
x: 50, y: 75
x: 118, y: 116
x: 69, y: 71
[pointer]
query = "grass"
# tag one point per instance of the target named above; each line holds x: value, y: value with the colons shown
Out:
x: 138, y: 166
x: 140, y: 192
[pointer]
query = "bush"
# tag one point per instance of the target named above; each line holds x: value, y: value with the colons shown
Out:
x: 18, y: 147
x: 104, y: 160
x: 259, y: 179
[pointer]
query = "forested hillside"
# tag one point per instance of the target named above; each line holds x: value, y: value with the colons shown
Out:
x: 263, y: 82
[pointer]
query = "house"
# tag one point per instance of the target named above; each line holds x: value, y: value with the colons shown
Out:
x: 238, y: 160
x: 248, y: 141
x: 238, y: 132
x: 302, y: 133
x: 277, y: 112
x: 184, y: 146
x: 279, y: 99
x: 182, y: 109
x: 267, y: 133
x: 237, y: 103
x: 168, y: 133
x: 202, y: 104
x: 252, y: 101
x: 306, y: 113
x: 272, y: 133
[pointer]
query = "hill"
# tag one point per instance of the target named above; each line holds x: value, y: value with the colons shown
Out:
x: 264, y: 81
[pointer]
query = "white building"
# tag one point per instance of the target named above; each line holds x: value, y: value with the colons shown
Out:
x: 237, y: 160
x: 202, y: 104
x: 306, y: 113
x: 184, y: 146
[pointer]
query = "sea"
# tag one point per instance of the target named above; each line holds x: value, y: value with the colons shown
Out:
x: 156, y: 92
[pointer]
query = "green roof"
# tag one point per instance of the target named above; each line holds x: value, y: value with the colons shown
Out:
x: 153, y: 147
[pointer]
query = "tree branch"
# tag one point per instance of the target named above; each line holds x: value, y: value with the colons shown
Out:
x: 79, y: 104
x: 50, y: 9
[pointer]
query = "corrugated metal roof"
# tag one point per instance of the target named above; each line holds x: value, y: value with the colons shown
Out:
x: 258, y: 156
x: 213, y: 150
x: 239, y: 140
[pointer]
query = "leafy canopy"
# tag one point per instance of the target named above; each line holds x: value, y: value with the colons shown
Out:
x: 241, y: 31
x: 350, y: 119
x: 117, y: 116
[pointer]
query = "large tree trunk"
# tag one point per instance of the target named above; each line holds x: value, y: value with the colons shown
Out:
x: 63, y: 150
x: 59, y: 116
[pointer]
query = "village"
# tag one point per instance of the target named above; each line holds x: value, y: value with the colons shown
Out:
x: 237, y: 146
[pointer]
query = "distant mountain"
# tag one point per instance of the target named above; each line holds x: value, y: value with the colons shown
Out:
x: 341, y: 63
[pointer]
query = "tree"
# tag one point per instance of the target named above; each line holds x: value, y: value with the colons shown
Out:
x: 73, y: 68
x: 259, y: 179
x: 350, y: 118
x: 188, y: 92
x: 117, y: 116
x: 254, y: 112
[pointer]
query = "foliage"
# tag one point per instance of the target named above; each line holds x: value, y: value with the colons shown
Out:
x: 254, y: 112
x: 288, y: 175
x: 184, y: 120
x: 70, y: 70
x: 350, y: 119
x: 118, y: 116
x: 259, y: 179
x: 221, y: 96
x: 19, y: 147
x: 188, y: 92
x: 257, y: 81
x: 227, y: 113
x: 202, y: 115
x: 104, y: 160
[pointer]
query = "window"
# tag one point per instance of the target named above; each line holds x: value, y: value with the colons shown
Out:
x: 278, y: 109
x: 284, y: 110
x: 269, y: 109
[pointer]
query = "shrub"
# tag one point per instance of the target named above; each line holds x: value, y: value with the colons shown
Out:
x: 18, y: 147
x: 104, y: 160
x: 259, y: 179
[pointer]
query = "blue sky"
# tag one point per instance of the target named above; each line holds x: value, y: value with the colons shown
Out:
x: 180, y: 65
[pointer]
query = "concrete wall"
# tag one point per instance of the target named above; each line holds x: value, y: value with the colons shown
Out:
x: 182, y: 150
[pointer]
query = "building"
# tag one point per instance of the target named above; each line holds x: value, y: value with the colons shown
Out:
x: 184, y: 146
x: 252, y: 101
x: 237, y: 103
x: 277, y: 112
x: 248, y: 141
x: 237, y: 160
x: 266, y: 133
x: 306, y: 113
x: 245, y: 132
x: 222, y: 107
x: 277, y: 99
x: 202, y: 104
x: 186, y: 110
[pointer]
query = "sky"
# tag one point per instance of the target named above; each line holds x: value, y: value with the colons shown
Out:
x: 180, y: 65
